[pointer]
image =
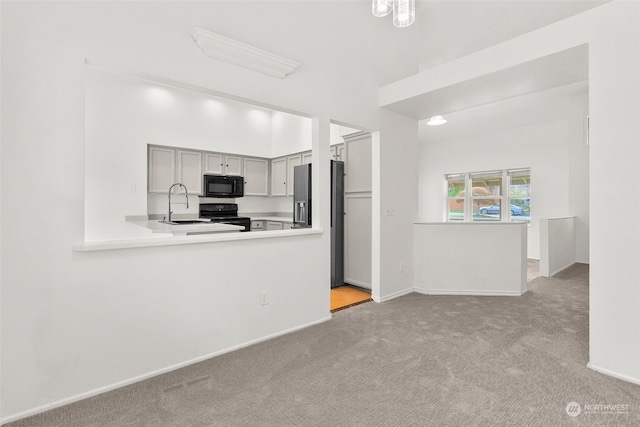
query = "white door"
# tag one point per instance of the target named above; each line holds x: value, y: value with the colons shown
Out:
x: 357, y: 241
x: 356, y: 153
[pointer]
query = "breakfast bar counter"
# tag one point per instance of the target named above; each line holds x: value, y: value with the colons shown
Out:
x: 155, y: 226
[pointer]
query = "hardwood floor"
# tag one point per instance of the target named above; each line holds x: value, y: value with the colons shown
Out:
x: 347, y: 296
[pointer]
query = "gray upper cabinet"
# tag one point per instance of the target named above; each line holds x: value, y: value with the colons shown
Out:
x: 292, y: 162
x: 256, y: 177
x: 358, y: 168
x: 170, y: 165
x: 307, y: 157
x: 161, y: 169
x: 279, y: 177
x: 337, y: 152
x: 213, y: 164
x: 222, y: 164
x: 189, y: 171
x: 233, y: 165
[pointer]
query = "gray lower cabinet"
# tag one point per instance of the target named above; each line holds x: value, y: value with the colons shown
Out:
x: 257, y: 225
x: 274, y: 225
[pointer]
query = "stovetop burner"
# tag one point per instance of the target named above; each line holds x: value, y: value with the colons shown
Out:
x: 224, y: 213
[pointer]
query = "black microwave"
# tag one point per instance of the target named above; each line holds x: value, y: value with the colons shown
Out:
x: 223, y: 186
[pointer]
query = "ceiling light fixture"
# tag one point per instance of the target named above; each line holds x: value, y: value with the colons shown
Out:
x: 381, y: 8
x: 436, y: 121
x: 404, y: 11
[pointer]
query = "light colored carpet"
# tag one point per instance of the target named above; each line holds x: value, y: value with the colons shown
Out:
x: 414, y: 361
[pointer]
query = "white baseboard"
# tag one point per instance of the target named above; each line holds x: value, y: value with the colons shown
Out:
x: 469, y: 292
x: 613, y: 374
x: 394, y: 295
x: 561, y: 269
x: 358, y: 283
x: 95, y: 392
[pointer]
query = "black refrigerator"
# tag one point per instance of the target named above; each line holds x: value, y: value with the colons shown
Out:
x: 302, y: 196
x: 337, y: 223
x: 302, y: 212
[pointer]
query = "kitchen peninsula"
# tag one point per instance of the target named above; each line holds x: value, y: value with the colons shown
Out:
x: 156, y: 226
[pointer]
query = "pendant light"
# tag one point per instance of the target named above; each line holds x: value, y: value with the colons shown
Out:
x: 404, y: 12
x: 381, y: 8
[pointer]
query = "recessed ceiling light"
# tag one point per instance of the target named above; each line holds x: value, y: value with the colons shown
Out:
x: 436, y: 121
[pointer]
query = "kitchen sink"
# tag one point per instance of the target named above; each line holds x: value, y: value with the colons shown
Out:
x: 186, y: 221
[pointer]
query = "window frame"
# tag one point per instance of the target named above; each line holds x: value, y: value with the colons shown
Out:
x: 504, y: 199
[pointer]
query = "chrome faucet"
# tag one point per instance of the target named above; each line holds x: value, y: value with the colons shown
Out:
x: 167, y: 219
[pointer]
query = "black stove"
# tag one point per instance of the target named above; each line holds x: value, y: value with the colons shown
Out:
x: 225, y: 213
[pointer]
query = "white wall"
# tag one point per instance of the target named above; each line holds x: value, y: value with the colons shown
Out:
x: 156, y: 113
x: 557, y: 244
x: 494, y: 256
x: 579, y: 173
x: 395, y: 183
x: 76, y: 323
x: 290, y: 134
x: 551, y: 148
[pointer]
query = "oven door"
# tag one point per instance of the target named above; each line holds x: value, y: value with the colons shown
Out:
x: 245, y: 222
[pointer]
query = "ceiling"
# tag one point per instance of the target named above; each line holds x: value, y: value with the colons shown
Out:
x: 551, y: 71
x: 539, y: 107
x: 451, y: 29
x: 353, y: 52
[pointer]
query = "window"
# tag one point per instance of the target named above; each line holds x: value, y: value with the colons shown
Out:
x: 486, y: 196
x: 489, y: 196
x: 520, y: 194
x: 455, y: 186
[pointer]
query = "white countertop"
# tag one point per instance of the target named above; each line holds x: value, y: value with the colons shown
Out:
x: 465, y: 223
x: 185, y: 229
x: 272, y: 218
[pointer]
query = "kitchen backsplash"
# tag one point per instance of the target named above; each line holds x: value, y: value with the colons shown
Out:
x: 157, y: 204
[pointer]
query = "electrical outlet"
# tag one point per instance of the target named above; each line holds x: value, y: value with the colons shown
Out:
x: 132, y: 188
x: 402, y: 267
x: 264, y: 297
